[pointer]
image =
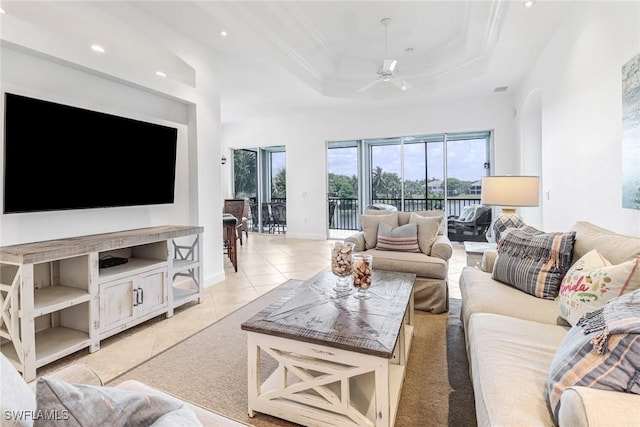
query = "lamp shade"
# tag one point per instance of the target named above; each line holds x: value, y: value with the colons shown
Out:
x: 510, y: 191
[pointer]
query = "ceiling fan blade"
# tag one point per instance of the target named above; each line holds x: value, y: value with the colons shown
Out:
x: 389, y: 65
x: 401, y: 84
x: 369, y: 85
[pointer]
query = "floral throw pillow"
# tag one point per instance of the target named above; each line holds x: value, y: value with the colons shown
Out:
x: 590, y: 283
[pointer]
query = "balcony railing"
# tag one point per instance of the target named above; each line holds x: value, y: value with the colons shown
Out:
x: 344, y: 214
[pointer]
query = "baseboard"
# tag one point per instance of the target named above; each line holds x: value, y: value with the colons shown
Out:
x: 306, y: 236
x: 213, y: 279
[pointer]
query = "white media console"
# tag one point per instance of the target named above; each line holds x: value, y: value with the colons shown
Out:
x: 55, y: 299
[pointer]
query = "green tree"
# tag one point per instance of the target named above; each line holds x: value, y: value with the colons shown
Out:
x: 279, y: 184
x: 244, y: 173
x: 342, y: 186
x: 377, y: 182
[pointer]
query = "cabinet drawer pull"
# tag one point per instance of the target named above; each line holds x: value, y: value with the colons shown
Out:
x: 141, y: 296
x: 135, y: 297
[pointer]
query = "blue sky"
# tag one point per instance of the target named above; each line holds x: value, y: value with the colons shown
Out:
x: 465, y: 160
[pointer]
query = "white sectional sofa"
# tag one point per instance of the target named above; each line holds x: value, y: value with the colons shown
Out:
x: 512, y: 338
x: 19, y: 407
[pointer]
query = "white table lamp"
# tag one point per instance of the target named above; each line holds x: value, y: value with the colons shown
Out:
x: 509, y: 192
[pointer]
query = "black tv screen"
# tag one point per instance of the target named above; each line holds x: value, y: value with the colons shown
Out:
x: 58, y: 157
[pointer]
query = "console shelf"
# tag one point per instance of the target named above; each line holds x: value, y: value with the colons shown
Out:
x: 56, y: 300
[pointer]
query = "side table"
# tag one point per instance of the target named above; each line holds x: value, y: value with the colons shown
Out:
x: 475, y: 251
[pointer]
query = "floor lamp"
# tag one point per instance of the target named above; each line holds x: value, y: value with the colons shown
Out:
x: 509, y: 192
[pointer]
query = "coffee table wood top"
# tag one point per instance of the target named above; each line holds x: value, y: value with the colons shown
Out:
x: 314, y: 313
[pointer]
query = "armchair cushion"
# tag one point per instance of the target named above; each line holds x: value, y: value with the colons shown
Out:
x: 403, y: 238
x: 428, y: 227
x: 370, y: 227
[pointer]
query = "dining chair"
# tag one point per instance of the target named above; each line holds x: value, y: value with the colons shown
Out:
x: 279, y: 214
x: 237, y: 208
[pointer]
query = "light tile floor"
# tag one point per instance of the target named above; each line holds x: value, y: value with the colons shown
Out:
x: 264, y: 262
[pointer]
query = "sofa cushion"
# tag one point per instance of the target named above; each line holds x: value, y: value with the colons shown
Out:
x: 370, y: 226
x: 534, y: 263
x: 403, y: 238
x: 84, y: 405
x: 617, y: 248
x: 481, y: 294
x: 602, y: 351
x: 509, y: 361
x: 404, y: 262
x: 585, y: 406
x: 590, y: 283
x: 428, y: 227
x: 16, y: 397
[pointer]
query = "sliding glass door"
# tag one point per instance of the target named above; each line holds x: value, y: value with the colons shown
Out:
x: 412, y: 173
x: 259, y: 174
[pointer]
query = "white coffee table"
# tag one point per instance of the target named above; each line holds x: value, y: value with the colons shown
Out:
x: 475, y: 251
x: 340, y: 360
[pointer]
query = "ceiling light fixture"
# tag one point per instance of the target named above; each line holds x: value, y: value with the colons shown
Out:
x: 2, y: 11
x: 97, y: 48
x: 161, y: 73
x: 223, y: 33
x: 528, y: 3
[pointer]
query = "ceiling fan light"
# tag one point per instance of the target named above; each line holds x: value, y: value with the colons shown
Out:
x: 389, y: 65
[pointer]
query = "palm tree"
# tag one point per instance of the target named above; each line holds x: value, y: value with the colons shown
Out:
x: 378, y: 183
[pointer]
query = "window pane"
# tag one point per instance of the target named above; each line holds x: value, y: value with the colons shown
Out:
x: 385, y: 175
x: 415, y: 172
x: 465, y: 167
x: 245, y: 173
x: 278, y: 176
x: 342, y: 165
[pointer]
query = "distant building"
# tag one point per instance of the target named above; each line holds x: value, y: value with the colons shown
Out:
x: 476, y: 188
x: 437, y: 186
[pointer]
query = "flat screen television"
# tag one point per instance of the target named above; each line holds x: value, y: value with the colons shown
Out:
x: 59, y: 157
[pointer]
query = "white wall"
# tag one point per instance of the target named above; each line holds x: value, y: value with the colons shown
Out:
x: 305, y: 134
x: 579, y: 79
x: 39, y: 64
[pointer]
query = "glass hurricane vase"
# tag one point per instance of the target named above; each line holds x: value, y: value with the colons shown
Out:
x: 341, y: 265
x: 362, y: 274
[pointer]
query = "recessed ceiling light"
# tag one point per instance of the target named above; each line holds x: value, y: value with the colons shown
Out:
x: 161, y: 74
x: 97, y: 48
x: 2, y: 12
x: 528, y: 3
x: 223, y: 33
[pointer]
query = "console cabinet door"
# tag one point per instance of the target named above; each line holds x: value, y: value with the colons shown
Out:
x: 152, y: 287
x: 117, y: 303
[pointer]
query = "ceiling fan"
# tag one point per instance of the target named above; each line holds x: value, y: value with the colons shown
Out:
x: 388, y: 72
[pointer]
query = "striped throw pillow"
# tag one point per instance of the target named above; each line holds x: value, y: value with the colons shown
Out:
x: 602, y: 351
x: 402, y: 239
x: 533, y: 261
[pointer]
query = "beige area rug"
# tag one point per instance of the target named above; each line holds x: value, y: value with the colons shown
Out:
x: 210, y: 369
